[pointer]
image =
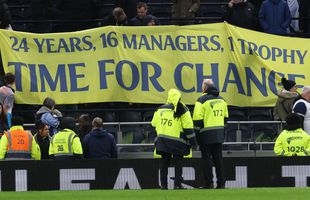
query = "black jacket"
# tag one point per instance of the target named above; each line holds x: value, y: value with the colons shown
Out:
x: 243, y: 15
x: 44, y: 144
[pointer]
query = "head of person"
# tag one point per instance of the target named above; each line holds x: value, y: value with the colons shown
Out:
x: 141, y: 10
x: 207, y: 83
x: 306, y: 93
x: 119, y: 14
x: 9, y: 79
x: 49, y: 103
x: 43, y: 129
x: 289, y: 85
x: 17, y: 121
x: 293, y: 121
x: 84, y: 121
x: 67, y: 123
x: 97, y: 123
x: 149, y: 20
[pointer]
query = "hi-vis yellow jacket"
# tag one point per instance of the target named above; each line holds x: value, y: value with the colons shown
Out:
x: 209, y: 117
x: 174, y: 126
x: 65, y: 144
x: 292, y: 143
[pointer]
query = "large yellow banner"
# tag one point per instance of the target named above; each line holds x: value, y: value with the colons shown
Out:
x: 140, y: 64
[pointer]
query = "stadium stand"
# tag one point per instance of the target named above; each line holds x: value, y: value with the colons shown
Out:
x: 210, y: 11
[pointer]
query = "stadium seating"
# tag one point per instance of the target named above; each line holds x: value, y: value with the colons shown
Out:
x: 262, y: 132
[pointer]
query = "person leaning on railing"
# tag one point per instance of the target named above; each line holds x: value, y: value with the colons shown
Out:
x: 293, y: 140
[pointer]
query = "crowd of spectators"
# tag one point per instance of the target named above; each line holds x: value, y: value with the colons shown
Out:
x: 271, y: 16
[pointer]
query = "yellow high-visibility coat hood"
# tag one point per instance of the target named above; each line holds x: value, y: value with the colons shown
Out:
x: 173, y: 98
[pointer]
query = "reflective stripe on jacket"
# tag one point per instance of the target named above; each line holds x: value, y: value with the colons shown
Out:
x: 63, y: 144
x: 19, y: 144
x: 209, y: 117
x: 292, y: 143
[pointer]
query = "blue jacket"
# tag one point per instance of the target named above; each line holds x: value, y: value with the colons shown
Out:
x: 99, y: 144
x: 274, y: 16
x: 47, y: 117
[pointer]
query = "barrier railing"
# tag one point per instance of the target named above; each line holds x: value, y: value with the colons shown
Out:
x: 246, y: 146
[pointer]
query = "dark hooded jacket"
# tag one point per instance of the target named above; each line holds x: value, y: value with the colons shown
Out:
x: 275, y: 16
x: 99, y: 144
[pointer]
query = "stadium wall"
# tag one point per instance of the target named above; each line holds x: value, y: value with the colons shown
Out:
x: 144, y: 173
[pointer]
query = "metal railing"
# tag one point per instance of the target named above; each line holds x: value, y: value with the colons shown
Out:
x: 250, y: 145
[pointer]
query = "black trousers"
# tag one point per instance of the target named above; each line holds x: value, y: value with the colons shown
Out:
x: 212, y: 154
x: 165, y: 163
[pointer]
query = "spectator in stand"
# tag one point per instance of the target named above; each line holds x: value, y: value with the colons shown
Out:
x: 286, y: 99
x: 117, y: 18
x: 5, y: 16
x: 74, y: 10
x: 293, y: 141
x: 84, y: 126
x: 99, y: 143
x: 18, y: 144
x: 48, y: 115
x: 3, y: 123
x: 129, y: 6
x: 142, y: 18
x: 7, y: 96
x: 66, y: 145
x: 43, y: 139
x: 150, y: 21
x: 302, y: 107
x: 241, y: 13
x: 185, y: 9
x: 275, y: 17
x: 293, y: 5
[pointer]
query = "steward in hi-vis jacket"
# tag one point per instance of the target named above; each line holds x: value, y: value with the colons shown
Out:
x: 175, y: 135
x: 210, y: 114
x: 293, y: 140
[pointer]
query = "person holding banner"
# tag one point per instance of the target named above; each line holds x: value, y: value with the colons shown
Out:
x: 210, y: 114
x: 241, y: 13
x: 117, y: 18
x: 275, y: 17
x: 175, y: 134
x: 142, y: 17
x: 185, y: 9
x: 286, y: 99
